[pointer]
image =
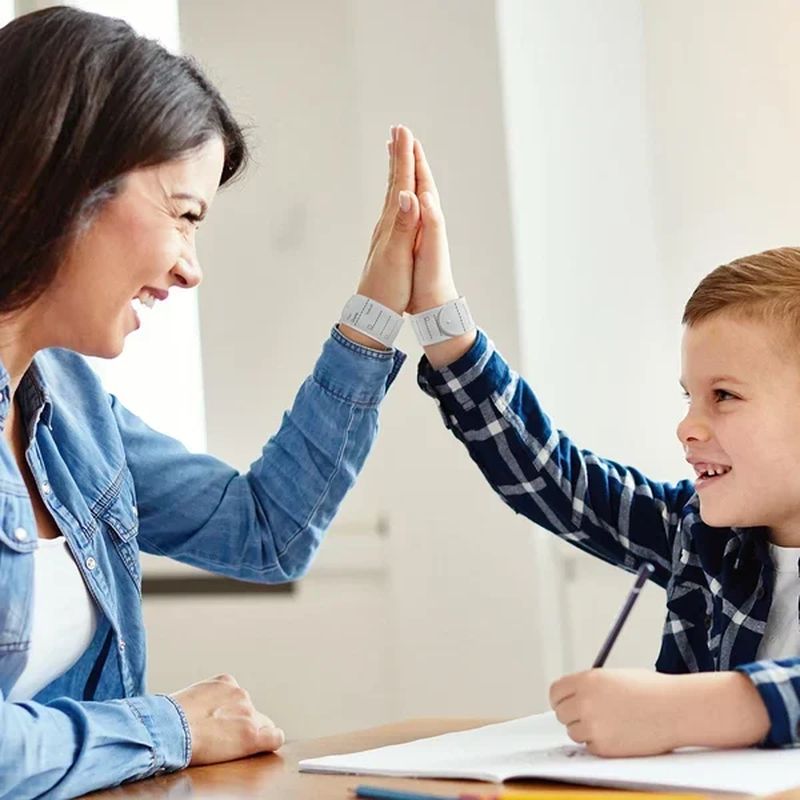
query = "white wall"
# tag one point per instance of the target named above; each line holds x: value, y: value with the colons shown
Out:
x: 722, y: 100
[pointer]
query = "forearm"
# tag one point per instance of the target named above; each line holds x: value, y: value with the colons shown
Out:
x: 717, y: 709
x: 610, y: 510
x: 67, y: 748
x: 266, y: 524
x: 445, y: 353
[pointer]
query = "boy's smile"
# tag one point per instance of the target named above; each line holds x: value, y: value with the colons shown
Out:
x: 741, y: 432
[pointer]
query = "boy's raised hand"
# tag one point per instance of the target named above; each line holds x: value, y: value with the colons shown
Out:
x: 433, y: 276
x: 636, y: 712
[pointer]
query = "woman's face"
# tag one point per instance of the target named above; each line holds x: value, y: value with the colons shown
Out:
x: 141, y: 244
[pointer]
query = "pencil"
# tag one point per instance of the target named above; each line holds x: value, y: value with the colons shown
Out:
x: 645, y: 571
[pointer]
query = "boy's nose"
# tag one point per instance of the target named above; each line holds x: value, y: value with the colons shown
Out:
x: 692, y: 429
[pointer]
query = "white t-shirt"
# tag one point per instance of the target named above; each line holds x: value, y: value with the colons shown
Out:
x: 782, y: 636
x: 64, y: 618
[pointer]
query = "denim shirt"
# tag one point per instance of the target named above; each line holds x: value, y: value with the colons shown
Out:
x: 115, y: 486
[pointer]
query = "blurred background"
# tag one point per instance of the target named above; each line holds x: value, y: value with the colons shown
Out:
x: 595, y: 160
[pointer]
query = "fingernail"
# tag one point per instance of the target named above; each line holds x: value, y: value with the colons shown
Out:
x: 282, y: 737
x: 393, y: 131
x: 405, y: 201
x: 427, y: 199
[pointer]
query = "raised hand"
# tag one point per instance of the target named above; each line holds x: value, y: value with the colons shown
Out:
x: 224, y: 722
x: 433, y: 277
x: 388, y: 273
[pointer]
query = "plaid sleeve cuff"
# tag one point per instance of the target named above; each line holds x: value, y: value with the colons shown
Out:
x: 778, y: 683
x: 464, y: 384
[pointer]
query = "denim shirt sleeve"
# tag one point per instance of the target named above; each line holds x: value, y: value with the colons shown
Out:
x: 66, y: 748
x: 778, y: 683
x: 609, y: 510
x: 267, y: 524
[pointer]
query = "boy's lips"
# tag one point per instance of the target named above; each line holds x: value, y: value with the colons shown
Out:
x: 707, y: 472
x: 705, y: 480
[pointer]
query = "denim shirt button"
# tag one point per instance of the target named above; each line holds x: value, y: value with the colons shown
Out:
x: 90, y: 563
x: 135, y: 511
x: 20, y: 534
x: 121, y: 645
x: 46, y: 488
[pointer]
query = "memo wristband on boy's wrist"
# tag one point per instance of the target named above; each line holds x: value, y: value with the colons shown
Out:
x: 444, y: 322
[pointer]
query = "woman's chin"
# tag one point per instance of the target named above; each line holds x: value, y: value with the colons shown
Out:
x: 109, y: 347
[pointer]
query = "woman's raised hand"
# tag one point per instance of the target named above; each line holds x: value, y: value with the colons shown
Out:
x: 388, y: 273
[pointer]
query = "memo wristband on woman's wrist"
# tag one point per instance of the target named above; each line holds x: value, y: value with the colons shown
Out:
x: 372, y: 319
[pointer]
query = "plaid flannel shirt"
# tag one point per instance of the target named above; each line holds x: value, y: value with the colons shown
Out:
x: 718, y: 581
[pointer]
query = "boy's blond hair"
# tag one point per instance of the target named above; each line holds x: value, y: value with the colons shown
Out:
x: 764, y: 287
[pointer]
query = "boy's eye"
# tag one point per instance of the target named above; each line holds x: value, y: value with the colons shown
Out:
x: 719, y: 395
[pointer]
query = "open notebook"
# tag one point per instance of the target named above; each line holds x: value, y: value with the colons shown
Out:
x: 538, y: 747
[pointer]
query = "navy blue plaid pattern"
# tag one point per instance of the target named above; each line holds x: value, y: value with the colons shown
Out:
x: 718, y: 581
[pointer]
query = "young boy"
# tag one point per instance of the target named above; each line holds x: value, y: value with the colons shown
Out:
x: 725, y: 547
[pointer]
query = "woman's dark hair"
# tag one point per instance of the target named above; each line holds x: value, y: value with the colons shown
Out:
x: 83, y: 100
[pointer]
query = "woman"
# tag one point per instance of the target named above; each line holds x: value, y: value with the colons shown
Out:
x: 111, y: 152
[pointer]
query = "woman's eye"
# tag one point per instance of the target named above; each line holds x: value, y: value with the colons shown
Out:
x: 721, y: 394
x: 195, y: 219
x: 686, y: 396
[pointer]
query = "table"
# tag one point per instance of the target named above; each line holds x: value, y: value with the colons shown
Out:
x: 276, y: 776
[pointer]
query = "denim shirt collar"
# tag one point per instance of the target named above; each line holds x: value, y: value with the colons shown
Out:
x: 33, y: 396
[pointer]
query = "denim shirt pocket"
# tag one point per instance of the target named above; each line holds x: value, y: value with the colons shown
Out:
x: 120, y: 519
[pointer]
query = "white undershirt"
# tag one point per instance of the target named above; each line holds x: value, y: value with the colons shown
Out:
x: 782, y: 636
x: 64, y: 618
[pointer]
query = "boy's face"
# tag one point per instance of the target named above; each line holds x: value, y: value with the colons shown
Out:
x: 742, y: 379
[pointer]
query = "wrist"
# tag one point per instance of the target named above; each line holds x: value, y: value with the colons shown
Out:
x: 369, y: 322
x: 424, y: 301
x: 361, y: 338
x: 384, y: 296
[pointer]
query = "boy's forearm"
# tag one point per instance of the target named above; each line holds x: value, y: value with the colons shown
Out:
x: 721, y: 709
x: 445, y: 353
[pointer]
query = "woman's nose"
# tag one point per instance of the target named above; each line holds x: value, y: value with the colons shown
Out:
x: 187, y: 273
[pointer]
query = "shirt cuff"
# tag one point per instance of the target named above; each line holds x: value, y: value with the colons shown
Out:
x: 467, y: 382
x: 169, y: 731
x: 778, y: 683
x: 354, y: 373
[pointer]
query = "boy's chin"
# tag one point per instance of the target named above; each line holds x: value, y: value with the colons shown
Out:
x: 716, y: 517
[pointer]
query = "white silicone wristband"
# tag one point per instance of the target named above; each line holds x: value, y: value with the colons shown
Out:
x: 444, y: 322
x: 372, y: 319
